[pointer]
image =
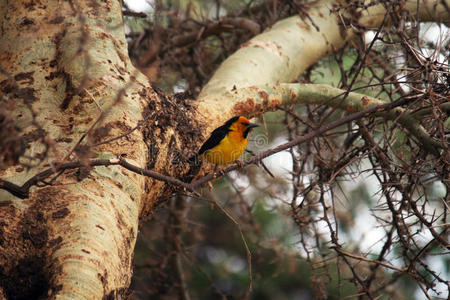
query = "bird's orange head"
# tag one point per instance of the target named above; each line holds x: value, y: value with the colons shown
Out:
x: 242, y: 125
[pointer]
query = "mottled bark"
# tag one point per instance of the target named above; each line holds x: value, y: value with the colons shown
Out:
x: 65, y: 68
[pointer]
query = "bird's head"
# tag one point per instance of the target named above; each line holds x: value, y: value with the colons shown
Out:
x: 241, y: 124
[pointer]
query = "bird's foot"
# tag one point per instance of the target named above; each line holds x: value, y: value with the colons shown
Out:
x: 220, y: 172
x: 239, y: 163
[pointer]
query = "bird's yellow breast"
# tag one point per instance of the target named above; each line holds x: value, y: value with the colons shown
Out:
x: 228, y: 150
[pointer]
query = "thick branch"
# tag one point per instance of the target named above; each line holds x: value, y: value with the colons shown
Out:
x: 256, y: 99
x: 292, y: 45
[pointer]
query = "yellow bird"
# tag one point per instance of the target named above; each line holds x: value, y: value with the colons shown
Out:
x: 227, y: 142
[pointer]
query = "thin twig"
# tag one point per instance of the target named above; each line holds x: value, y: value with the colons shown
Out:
x: 134, y: 14
x: 249, y: 254
x: 23, y: 191
x: 362, y: 258
x: 262, y: 164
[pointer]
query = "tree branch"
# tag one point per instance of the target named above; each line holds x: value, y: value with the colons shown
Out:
x: 300, y: 140
x: 292, y: 45
x: 256, y: 99
x: 216, y: 27
x: 23, y: 191
x: 130, y: 13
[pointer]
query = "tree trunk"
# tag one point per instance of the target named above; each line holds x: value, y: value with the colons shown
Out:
x: 66, y: 77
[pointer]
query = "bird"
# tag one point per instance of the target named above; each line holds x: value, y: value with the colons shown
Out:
x: 226, y: 143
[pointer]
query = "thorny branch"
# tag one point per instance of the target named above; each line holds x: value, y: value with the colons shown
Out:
x: 415, y: 223
x: 23, y: 191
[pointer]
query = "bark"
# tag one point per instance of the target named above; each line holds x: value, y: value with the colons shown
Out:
x: 65, y: 68
x: 66, y: 83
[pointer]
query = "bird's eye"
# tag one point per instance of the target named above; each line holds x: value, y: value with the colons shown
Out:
x: 245, y: 124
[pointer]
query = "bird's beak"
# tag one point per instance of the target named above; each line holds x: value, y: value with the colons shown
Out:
x: 252, y: 125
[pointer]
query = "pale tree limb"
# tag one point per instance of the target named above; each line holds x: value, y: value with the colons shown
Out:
x: 259, y: 99
x: 292, y: 45
x: 283, y: 52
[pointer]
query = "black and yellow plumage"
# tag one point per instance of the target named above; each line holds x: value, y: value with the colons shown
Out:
x: 227, y: 142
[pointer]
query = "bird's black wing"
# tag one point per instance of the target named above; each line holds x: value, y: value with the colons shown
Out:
x: 216, y: 137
